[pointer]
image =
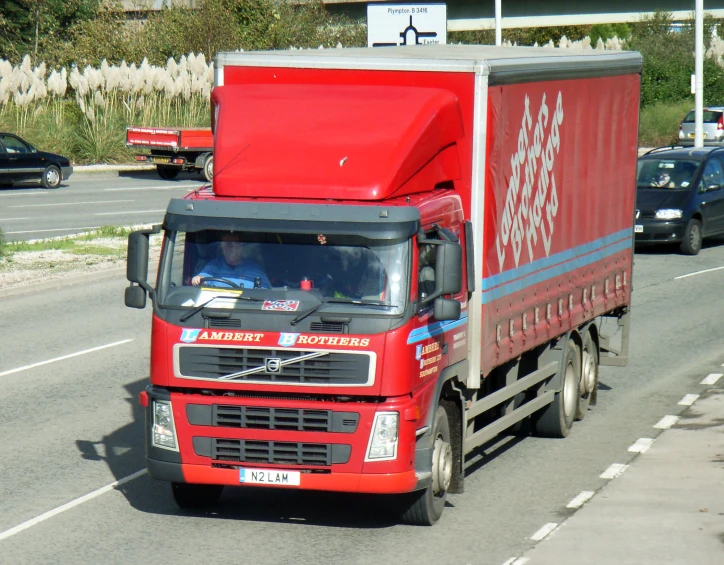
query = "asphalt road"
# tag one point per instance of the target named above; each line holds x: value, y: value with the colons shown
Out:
x: 71, y: 427
x: 88, y: 201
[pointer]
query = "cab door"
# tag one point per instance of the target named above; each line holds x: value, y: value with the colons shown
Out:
x: 711, y: 196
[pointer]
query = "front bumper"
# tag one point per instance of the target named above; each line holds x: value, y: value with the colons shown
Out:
x: 384, y: 483
x: 211, y: 451
x: 660, y: 231
x: 66, y: 172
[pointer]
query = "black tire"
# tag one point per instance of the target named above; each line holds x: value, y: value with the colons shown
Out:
x: 424, y: 507
x: 209, y: 168
x: 557, y: 418
x: 693, y: 238
x: 589, y: 375
x: 167, y: 172
x: 51, y: 177
x: 193, y: 497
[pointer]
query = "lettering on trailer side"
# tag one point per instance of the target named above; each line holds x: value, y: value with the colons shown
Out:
x: 531, y: 200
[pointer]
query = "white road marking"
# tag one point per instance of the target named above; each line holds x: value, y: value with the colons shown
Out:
x: 131, y: 212
x: 688, y: 399
x: 30, y: 192
x: 12, y: 219
x: 666, y: 422
x: 613, y: 471
x: 56, y: 229
x: 711, y: 379
x: 517, y: 561
x: 69, y: 203
x: 581, y: 499
x: 642, y: 445
x: 67, y: 506
x: 69, y: 356
x: 698, y: 273
x: 184, y: 186
x: 544, y: 531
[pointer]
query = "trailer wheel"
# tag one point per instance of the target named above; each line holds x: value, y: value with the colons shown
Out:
x: 191, y: 497
x: 557, y: 418
x: 424, y: 507
x: 589, y: 375
x: 167, y: 172
x: 209, y: 168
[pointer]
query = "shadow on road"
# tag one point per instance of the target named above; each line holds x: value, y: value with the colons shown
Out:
x: 153, y: 175
x: 673, y: 248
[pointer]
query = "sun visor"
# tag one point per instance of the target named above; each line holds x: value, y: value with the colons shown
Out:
x: 348, y: 142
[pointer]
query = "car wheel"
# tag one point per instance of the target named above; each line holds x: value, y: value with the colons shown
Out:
x: 166, y: 172
x: 692, y: 238
x: 51, y: 177
x: 209, y: 168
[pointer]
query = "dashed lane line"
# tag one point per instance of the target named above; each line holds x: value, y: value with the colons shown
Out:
x: 688, y: 400
x: 62, y: 358
x: 68, y: 505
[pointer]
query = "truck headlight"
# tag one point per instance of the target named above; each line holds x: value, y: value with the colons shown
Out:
x: 668, y: 214
x: 383, y: 440
x: 164, y: 431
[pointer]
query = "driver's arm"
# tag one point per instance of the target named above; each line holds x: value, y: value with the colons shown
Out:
x: 205, y: 272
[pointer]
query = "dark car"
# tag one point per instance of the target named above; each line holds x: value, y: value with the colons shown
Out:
x: 680, y: 196
x: 20, y: 161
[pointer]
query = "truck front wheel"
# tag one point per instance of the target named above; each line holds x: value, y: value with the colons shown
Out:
x: 191, y: 497
x: 424, y: 507
x: 167, y: 172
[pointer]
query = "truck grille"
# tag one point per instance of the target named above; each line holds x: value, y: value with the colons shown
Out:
x: 279, y: 366
x: 272, y: 452
x: 266, y: 418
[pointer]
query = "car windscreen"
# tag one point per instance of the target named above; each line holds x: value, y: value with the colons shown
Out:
x: 708, y: 117
x: 661, y: 173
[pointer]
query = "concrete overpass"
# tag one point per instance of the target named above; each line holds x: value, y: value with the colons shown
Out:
x: 466, y: 15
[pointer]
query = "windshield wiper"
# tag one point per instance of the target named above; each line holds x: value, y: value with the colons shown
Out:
x: 200, y: 307
x: 326, y: 301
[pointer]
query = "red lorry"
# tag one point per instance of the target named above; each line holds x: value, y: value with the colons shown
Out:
x: 173, y: 150
x: 447, y: 233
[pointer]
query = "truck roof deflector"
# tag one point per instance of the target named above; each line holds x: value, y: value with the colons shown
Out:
x: 354, y: 142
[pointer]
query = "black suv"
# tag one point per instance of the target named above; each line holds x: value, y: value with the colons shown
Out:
x: 680, y: 196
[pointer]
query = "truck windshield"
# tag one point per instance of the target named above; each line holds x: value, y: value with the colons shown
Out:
x: 284, y: 272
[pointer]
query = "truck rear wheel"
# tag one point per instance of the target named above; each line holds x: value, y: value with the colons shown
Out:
x: 557, y: 418
x: 424, y: 507
x: 589, y: 375
x: 209, y: 168
x: 167, y: 172
x: 190, y: 497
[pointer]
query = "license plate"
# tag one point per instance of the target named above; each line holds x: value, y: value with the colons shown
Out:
x: 638, y: 229
x: 162, y: 159
x: 269, y: 477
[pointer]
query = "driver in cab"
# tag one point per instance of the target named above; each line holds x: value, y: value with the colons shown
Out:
x: 233, y: 267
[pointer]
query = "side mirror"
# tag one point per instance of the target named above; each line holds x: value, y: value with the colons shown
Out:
x: 713, y: 186
x: 135, y: 297
x: 448, y: 268
x: 445, y: 309
x: 137, y: 259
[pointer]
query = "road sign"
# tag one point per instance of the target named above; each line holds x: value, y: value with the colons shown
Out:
x: 406, y: 24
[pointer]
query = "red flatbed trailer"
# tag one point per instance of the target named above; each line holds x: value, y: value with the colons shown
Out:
x: 448, y: 235
x: 173, y: 150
